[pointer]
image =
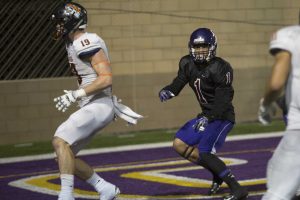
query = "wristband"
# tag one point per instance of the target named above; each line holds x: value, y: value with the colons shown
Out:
x: 79, y: 93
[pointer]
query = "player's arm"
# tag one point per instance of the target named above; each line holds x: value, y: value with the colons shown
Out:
x: 173, y: 89
x: 101, y: 65
x: 275, y: 85
x: 278, y: 78
x: 177, y: 84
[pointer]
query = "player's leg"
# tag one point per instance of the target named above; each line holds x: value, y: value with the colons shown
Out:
x: 186, y: 151
x: 216, y: 165
x: 284, y: 165
x: 65, y: 159
x: 66, y: 135
x: 213, y: 138
x: 191, y: 153
x: 85, y: 172
x: 79, y: 129
x: 185, y: 143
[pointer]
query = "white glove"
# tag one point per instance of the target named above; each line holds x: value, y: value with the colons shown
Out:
x: 63, y: 102
x: 265, y: 113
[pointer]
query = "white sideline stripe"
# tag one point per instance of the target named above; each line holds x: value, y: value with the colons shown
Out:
x: 134, y: 147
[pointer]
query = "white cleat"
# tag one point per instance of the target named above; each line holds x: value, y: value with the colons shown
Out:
x: 111, y: 193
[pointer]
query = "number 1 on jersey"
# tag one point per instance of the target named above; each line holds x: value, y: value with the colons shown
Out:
x: 197, y: 85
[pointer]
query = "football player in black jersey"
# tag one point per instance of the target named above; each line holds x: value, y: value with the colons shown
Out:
x: 210, y: 77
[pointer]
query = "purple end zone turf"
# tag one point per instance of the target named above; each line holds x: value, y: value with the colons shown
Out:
x: 255, y: 151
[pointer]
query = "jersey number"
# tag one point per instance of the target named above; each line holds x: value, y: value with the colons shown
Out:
x: 75, y: 72
x: 85, y: 42
x: 197, y: 85
x: 228, y: 78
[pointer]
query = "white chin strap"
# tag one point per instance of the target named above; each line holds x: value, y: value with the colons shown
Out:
x: 124, y: 112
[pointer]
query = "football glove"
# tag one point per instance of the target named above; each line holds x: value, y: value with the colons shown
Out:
x: 201, y: 124
x: 164, y: 95
x: 63, y: 102
x: 265, y: 113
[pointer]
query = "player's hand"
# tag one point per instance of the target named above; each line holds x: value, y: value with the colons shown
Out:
x: 63, y: 102
x: 201, y: 124
x: 265, y: 113
x: 164, y: 95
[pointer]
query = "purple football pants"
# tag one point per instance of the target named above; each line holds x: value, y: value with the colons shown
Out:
x: 209, y: 140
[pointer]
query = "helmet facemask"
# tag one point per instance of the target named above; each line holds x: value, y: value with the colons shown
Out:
x: 200, y: 52
x: 58, y: 29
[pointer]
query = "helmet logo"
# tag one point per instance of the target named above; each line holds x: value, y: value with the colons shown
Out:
x: 199, y: 40
x: 72, y: 10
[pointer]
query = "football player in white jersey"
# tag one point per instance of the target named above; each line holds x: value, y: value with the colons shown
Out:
x: 283, y: 170
x: 88, y: 58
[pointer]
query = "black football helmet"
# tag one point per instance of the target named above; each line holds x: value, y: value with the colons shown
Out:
x: 67, y: 18
x: 206, y: 38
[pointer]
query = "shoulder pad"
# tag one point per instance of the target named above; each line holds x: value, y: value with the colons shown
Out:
x: 87, y: 45
x: 184, y: 60
x: 285, y: 38
x: 222, y: 72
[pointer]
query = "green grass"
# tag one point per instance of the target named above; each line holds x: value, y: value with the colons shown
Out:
x: 141, y: 137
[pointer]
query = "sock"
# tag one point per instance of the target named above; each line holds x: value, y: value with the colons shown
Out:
x: 230, y: 180
x: 67, y: 186
x: 97, y: 182
x: 216, y: 177
x: 217, y: 166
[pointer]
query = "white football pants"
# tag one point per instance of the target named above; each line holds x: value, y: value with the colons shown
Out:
x: 283, y: 170
x: 81, y: 126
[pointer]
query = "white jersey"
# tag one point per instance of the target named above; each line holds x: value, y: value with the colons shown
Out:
x: 85, y: 45
x: 289, y: 39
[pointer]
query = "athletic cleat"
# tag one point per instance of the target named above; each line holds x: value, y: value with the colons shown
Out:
x: 112, y: 194
x: 240, y: 194
x: 215, y: 187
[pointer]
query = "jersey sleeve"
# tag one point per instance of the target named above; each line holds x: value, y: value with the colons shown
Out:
x: 87, y: 45
x: 181, y: 79
x: 223, y: 92
x: 224, y: 76
x: 284, y: 39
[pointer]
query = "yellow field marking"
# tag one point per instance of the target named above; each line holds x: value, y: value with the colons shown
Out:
x: 43, y: 183
x: 160, y: 176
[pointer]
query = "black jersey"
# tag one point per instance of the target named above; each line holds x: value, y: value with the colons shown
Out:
x: 211, y: 83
